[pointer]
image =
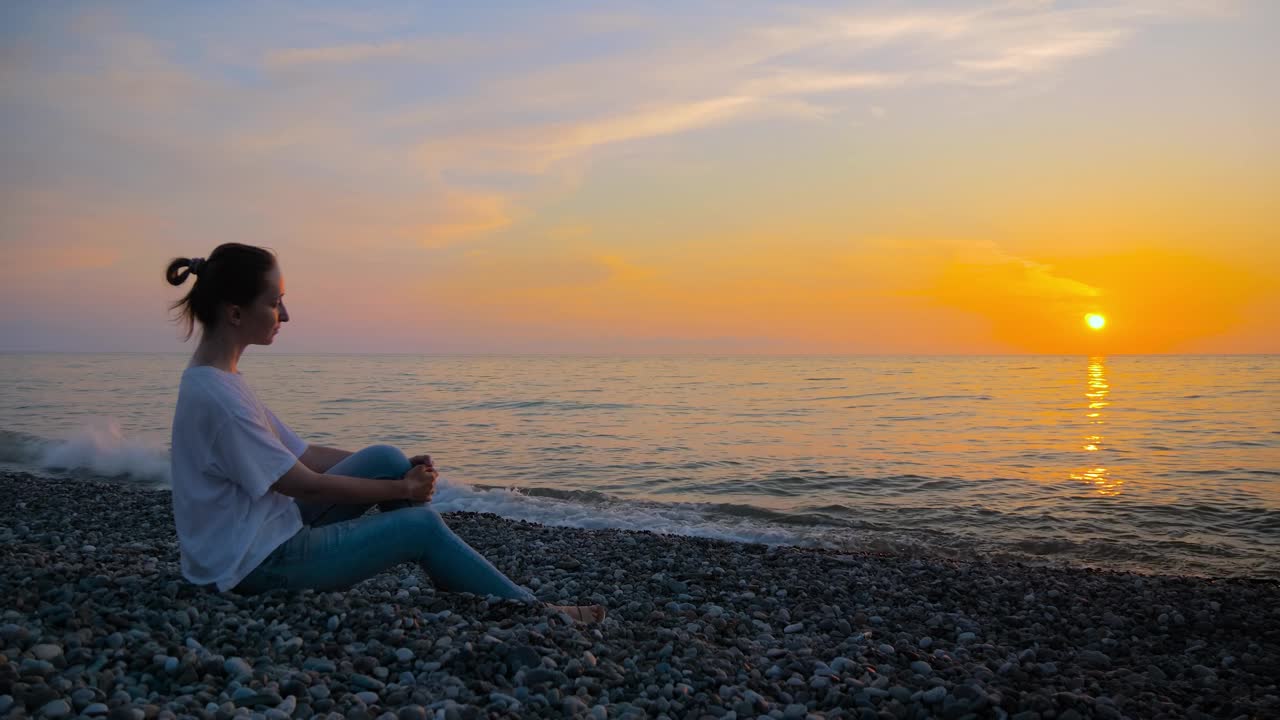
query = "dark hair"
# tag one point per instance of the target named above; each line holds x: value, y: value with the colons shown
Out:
x: 233, y: 273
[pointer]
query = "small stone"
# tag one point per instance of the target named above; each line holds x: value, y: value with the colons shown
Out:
x: 887, y: 649
x: 46, y: 651
x: 318, y: 691
x: 367, y: 697
x: 55, y: 709
x: 404, y: 655
x: 95, y: 709
x: 538, y: 676
x: 921, y: 667
x: 237, y: 667
x: 412, y: 712
x: 368, y: 683
x: 523, y: 656
x: 934, y: 694
x: 82, y: 697
x: 1094, y: 658
x: 793, y: 628
x: 323, y: 665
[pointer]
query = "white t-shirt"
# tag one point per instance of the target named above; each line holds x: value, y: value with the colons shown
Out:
x: 228, y: 450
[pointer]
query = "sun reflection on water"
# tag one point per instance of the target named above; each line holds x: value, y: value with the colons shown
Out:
x: 1096, y: 394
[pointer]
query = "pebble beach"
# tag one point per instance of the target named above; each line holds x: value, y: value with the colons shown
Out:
x: 97, y: 621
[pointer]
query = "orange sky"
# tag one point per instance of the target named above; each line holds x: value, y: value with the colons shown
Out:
x: 953, y: 178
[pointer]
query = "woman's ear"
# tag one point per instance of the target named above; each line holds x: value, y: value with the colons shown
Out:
x: 233, y: 314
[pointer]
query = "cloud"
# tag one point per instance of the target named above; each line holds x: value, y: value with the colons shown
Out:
x: 984, y: 267
x: 1047, y: 53
x: 447, y: 162
x: 334, y: 54
x: 461, y: 216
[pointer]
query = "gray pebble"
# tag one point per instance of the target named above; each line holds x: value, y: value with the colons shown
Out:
x: 1094, y: 658
x: 323, y: 665
x: 368, y: 683
x: 46, y: 651
x: 236, y: 667
x: 55, y: 709
x: 934, y: 694
x: 783, y: 621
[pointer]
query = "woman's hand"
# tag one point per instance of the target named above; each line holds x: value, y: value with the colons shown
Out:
x: 420, y: 483
x: 421, y: 460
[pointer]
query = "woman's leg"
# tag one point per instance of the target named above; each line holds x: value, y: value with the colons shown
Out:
x: 382, y: 462
x: 339, y: 555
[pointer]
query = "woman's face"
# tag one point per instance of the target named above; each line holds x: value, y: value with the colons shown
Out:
x: 260, y: 322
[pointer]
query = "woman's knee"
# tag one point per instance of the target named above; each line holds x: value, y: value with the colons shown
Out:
x: 388, y: 459
x: 422, y: 519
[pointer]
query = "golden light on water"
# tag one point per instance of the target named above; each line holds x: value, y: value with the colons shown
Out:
x: 1096, y: 393
x: 1095, y: 321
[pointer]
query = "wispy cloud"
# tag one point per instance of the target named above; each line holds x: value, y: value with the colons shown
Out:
x: 335, y: 54
x: 467, y: 126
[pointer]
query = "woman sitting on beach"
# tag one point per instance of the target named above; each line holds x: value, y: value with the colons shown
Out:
x: 256, y: 507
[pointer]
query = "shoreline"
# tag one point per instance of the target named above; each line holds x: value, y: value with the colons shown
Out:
x: 99, y: 619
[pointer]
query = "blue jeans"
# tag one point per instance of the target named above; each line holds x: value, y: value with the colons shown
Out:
x: 337, y: 547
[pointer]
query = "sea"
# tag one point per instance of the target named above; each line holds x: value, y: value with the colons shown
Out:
x: 1154, y: 464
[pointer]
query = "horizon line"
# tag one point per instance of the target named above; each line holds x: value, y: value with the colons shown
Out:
x: 651, y: 355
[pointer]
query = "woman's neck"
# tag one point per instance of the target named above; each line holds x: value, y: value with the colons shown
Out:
x: 217, y: 351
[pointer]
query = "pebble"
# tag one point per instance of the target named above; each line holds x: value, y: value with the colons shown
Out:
x: 55, y: 709
x: 368, y: 683
x: 1094, y: 658
x: 46, y: 651
x: 698, y: 628
x: 236, y: 667
x: 934, y: 695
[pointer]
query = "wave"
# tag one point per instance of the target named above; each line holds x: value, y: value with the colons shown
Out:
x: 550, y: 405
x: 902, y: 514
x: 100, y: 447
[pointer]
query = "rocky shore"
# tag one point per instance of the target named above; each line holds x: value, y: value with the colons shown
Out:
x: 98, y: 622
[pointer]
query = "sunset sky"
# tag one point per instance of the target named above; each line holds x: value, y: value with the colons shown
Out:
x: 684, y: 177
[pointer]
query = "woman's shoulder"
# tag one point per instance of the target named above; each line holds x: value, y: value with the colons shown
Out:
x: 204, y: 385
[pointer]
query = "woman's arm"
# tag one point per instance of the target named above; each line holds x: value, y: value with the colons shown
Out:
x: 320, y: 458
x: 305, y: 484
x: 310, y: 486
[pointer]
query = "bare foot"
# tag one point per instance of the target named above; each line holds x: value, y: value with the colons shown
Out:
x: 586, y: 614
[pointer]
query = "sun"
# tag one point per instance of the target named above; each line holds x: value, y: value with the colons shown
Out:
x: 1095, y: 321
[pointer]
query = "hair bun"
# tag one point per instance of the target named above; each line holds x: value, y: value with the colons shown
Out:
x: 194, y: 265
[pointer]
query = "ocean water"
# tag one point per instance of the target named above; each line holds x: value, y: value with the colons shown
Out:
x: 1165, y: 464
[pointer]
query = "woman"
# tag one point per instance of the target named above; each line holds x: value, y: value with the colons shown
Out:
x: 258, y: 508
